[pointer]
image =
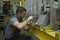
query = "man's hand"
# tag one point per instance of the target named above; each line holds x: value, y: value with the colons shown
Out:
x: 30, y: 18
x: 26, y: 28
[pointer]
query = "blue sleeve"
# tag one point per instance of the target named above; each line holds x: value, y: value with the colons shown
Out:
x: 13, y: 20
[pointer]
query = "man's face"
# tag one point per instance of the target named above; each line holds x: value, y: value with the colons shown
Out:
x: 22, y: 15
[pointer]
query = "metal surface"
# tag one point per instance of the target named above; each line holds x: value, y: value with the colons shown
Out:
x: 59, y: 4
x: 34, y: 8
x: 41, y: 34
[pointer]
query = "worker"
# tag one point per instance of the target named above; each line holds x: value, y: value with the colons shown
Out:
x: 15, y: 24
x: 6, y: 8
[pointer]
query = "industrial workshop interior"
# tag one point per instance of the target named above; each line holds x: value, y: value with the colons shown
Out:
x: 45, y: 26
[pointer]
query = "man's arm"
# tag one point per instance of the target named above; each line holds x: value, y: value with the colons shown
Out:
x: 22, y: 24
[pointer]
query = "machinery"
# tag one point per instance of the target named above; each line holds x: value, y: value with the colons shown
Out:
x: 47, y: 13
x: 47, y: 16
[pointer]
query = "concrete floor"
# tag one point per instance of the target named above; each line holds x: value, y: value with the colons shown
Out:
x: 1, y: 35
